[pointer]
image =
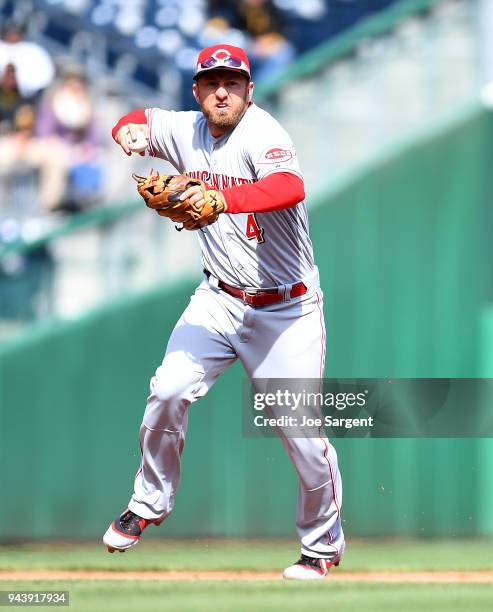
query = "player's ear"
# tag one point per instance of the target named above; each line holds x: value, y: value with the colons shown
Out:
x: 195, y: 91
x: 250, y: 89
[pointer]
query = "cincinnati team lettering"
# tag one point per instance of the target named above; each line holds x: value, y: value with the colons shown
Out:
x: 219, y: 181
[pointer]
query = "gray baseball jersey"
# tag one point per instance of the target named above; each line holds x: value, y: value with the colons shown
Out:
x: 246, y: 249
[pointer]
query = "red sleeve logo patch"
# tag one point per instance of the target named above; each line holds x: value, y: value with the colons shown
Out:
x: 276, y: 155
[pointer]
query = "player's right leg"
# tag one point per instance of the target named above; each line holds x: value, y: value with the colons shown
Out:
x: 197, y: 353
x: 288, y: 343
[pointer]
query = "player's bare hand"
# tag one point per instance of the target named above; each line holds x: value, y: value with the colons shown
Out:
x: 133, y: 138
x: 195, y: 194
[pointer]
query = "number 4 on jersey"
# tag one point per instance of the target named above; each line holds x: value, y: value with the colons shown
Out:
x: 253, y: 230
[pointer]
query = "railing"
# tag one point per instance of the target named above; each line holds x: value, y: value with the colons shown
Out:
x: 394, y: 75
x: 61, y: 267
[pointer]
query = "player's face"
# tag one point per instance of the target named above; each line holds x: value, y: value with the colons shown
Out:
x: 223, y: 97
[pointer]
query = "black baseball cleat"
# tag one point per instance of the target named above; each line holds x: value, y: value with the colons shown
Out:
x: 309, y: 568
x: 125, y: 531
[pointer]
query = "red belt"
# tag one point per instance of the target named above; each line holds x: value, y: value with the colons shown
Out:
x: 260, y: 297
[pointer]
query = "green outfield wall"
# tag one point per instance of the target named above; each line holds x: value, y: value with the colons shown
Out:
x: 405, y: 259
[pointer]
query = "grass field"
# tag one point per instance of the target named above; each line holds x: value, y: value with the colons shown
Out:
x: 397, y: 558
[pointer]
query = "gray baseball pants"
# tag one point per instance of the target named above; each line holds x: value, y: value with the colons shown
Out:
x: 285, y: 340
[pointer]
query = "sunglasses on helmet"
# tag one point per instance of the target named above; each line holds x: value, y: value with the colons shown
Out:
x: 232, y: 62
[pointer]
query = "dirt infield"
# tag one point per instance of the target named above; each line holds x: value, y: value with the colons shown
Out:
x: 438, y: 577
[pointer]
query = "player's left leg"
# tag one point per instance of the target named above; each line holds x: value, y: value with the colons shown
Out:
x: 288, y: 342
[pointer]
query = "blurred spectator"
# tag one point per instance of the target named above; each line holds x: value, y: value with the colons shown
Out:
x: 271, y: 51
x: 227, y: 9
x: 33, y: 65
x: 272, y: 54
x: 261, y: 23
x: 258, y: 17
x: 10, y: 98
x: 20, y: 153
x: 67, y: 114
x: 219, y: 30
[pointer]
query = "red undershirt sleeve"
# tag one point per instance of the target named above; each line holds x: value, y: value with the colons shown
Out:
x: 136, y: 116
x: 274, y: 192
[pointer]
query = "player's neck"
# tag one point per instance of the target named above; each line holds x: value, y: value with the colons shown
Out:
x: 217, y: 132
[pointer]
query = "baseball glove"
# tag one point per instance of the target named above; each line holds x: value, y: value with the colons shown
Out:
x: 162, y: 192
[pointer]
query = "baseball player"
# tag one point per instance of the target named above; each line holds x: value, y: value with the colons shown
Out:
x: 259, y: 300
